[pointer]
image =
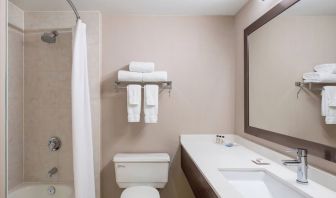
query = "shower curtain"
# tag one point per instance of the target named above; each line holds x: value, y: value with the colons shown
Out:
x: 81, y: 117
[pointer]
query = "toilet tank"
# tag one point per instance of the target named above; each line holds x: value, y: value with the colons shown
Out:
x: 141, y: 169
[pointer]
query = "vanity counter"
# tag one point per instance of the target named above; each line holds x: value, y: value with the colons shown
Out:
x: 209, y: 158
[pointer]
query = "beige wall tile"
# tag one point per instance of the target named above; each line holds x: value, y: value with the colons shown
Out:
x: 15, y: 16
x: 47, y: 107
x: 15, y: 107
x: 3, y: 63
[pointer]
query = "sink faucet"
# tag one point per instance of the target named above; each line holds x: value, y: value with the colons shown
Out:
x: 52, y: 171
x: 302, y: 165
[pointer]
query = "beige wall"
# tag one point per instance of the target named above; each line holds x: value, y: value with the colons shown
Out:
x: 15, y: 96
x: 3, y: 62
x: 198, y: 53
x: 311, y: 40
x: 245, y: 17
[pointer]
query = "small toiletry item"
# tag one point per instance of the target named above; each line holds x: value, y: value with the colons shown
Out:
x: 217, y: 139
x: 260, y: 161
x: 222, y: 139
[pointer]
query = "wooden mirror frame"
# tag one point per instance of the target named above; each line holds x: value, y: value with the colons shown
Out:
x: 320, y: 150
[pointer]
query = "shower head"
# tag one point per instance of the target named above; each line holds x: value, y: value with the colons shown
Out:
x: 49, y: 37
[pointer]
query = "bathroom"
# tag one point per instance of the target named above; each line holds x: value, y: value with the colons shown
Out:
x: 170, y: 99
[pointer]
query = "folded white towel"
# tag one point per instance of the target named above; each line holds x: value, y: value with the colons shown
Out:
x: 327, y: 68
x: 151, y: 104
x: 129, y: 76
x: 133, y: 103
x: 155, y: 76
x: 319, y: 77
x: 329, y: 100
x: 142, y: 67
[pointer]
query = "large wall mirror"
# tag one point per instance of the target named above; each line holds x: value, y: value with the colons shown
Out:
x: 287, y: 42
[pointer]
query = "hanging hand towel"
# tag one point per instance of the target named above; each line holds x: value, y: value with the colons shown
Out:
x: 133, y: 103
x: 330, y: 100
x: 141, y: 67
x: 155, y: 76
x: 151, y: 104
x: 129, y: 76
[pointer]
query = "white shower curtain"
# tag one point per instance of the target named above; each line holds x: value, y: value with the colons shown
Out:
x: 84, y: 179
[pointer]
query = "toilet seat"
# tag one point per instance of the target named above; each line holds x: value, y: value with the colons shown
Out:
x: 140, y: 192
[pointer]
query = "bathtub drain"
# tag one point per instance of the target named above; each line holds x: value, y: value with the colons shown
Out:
x: 51, y: 190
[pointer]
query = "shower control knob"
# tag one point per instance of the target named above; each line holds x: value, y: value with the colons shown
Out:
x: 51, y: 190
x: 54, y: 143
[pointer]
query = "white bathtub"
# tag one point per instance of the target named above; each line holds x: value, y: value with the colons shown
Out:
x: 37, y: 190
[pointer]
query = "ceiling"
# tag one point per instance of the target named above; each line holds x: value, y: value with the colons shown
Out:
x: 139, y: 7
x: 313, y: 8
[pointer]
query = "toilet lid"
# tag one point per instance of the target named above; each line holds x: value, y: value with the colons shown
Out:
x: 140, y: 192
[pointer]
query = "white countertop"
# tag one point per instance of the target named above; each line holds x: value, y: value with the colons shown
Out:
x: 210, y: 157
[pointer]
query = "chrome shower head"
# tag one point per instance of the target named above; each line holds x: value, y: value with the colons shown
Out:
x: 49, y: 37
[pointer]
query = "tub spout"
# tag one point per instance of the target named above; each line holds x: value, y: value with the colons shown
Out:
x: 52, y: 171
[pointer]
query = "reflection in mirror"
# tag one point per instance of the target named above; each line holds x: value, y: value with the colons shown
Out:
x: 280, y: 52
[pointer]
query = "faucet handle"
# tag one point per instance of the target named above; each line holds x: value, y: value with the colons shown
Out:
x: 291, y: 150
x: 301, y: 152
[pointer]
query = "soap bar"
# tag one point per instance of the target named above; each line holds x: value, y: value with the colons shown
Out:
x: 260, y: 161
x: 229, y: 144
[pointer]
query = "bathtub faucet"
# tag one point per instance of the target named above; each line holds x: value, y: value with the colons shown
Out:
x: 52, y: 172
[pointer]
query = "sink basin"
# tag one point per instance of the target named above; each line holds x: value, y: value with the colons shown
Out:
x: 261, y: 184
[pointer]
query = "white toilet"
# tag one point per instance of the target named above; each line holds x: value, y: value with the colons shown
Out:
x: 141, y: 174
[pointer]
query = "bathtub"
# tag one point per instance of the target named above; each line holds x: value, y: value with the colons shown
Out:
x: 38, y: 190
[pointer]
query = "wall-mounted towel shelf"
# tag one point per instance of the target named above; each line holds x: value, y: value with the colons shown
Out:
x: 311, y: 86
x: 162, y: 84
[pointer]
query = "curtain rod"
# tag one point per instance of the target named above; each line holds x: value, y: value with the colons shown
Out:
x: 74, y: 9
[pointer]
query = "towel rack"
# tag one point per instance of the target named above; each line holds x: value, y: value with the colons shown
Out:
x: 310, y: 86
x: 162, y: 84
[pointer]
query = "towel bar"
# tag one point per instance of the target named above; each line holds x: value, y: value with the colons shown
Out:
x: 162, y: 84
x: 309, y: 86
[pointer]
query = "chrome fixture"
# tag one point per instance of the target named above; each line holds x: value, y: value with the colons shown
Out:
x: 162, y: 85
x: 49, y: 37
x: 51, y: 190
x: 54, y: 143
x: 74, y: 9
x: 311, y: 86
x: 302, y: 165
x: 52, y: 171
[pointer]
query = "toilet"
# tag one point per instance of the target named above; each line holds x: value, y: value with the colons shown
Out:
x: 141, y: 174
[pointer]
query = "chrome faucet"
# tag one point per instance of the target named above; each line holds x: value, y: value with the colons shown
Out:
x: 52, y: 171
x: 302, y: 165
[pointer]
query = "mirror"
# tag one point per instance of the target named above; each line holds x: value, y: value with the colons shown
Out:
x: 280, y: 47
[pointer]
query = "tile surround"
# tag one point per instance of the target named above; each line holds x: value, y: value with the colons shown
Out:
x: 48, y: 93
x: 45, y: 105
x: 15, y: 96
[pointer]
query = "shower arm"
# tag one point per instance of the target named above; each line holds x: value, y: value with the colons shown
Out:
x: 74, y: 9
